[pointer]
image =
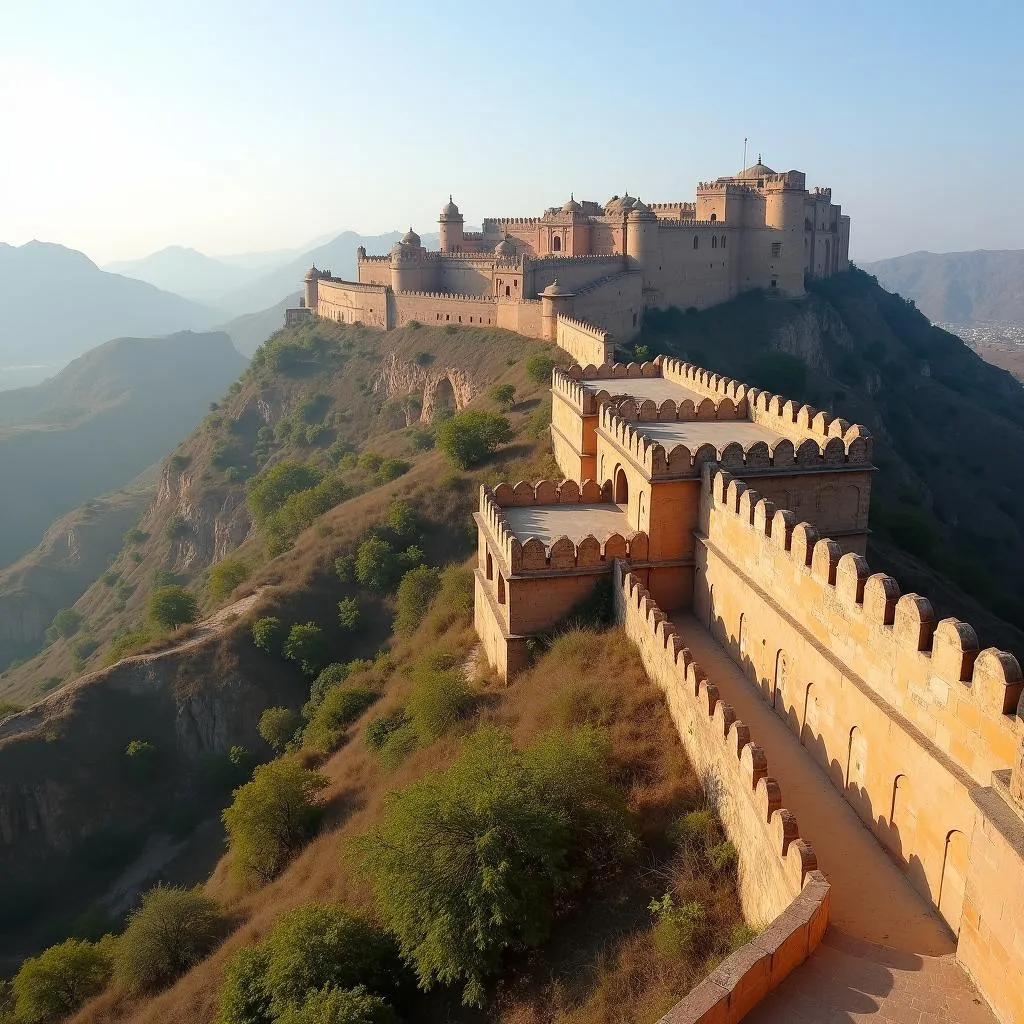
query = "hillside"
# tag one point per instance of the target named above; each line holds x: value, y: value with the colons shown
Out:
x: 248, y: 331
x: 949, y: 430
x: 958, y: 287
x: 55, y: 304
x: 99, y: 423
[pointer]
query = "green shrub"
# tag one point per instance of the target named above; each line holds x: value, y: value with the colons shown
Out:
x: 126, y: 642
x: 334, y: 675
x: 111, y: 578
x: 65, y: 624
x: 469, y: 437
x: 391, y: 469
x: 171, y: 931
x: 402, y: 520
x: 171, y: 607
x: 722, y: 856
x: 503, y: 395
x: 312, y: 948
x: 382, y: 728
x: 415, y: 592
x: 348, y: 613
x: 268, y: 634
x: 268, y: 492
x: 677, y: 928
x: 340, y: 1006
x: 474, y: 860
x: 51, y: 986
x: 8, y: 708
x: 227, y: 574
x: 376, y: 564
x: 179, y: 461
x: 135, y: 536
x: 84, y: 648
x: 539, y: 367
x: 177, y: 528
x: 305, y: 645
x: 340, y: 707
x: 271, y: 817
x: 438, y: 701
x: 277, y: 727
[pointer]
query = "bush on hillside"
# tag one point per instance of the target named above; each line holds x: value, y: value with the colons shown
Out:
x: 267, y: 493
x: 469, y: 437
x: 171, y: 930
x: 126, y: 642
x: 300, y: 510
x: 438, y: 701
x: 341, y: 1006
x: 177, y: 528
x: 268, y: 634
x: 65, y: 624
x: 503, y: 395
x: 402, y: 520
x: 417, y: 589
x: 51, y: 986
x: 136, y: 536
x: 171, y: 607
x: 305, y: 645
x: 539, y: 367
x: 348, y: 614
x: 227, y: 574
x: 277, y: 726
x: 340, y: 707
x: 271, y: 817
x: 378, y: 566
x: 334, y: 675
x: 314, y: 947
x: 474, y: 860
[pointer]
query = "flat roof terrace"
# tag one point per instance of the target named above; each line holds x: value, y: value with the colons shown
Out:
x: 656, y: 389
x: 549, y: 522
x: 694, y: 433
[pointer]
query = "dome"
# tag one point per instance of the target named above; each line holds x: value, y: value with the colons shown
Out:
x: 555, y: 289
x: 572, y: 206
x: 505, y: 248
x: 312, y: 274
x: 619, y: 204
x: 758, y: 170
x: 641, y: 211
x: 410, y: 238
x: 450, y: 209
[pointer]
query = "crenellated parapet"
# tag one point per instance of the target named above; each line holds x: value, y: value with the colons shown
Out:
x: 622, y: 422
x: 723, y: 747
x: 785, y: 416
x: 933, y: 671
x: 527, y: 554
x: 452, y: 296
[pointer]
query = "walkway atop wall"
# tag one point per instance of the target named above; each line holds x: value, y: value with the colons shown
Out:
x: 887, y: 955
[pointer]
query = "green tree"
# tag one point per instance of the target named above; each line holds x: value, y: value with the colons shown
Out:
x: 539, y: 368
x: 418, y: 588
x: 172, y: 929
x: 51, y: 986
x: 268, y: 634
x: 376, y: 565
x: 334, y: 675
x: 340, y: 1006
x: 402, y: 519
x: 271, y: 817
x: 468, y: 438
x: 348, y: 614
x: 438, y: 701
x: 171, y: 607
x: 312, y: 948
x: 474, y: 860
x: 277, y: 727
x: 267, y: 492
x: 65, y: 624
x: 227, y: 574
x: 340, y: 707
x: 503, y: 395
x: 305, y: 645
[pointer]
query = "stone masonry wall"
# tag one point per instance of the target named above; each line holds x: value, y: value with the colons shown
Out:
x: 586, y: 344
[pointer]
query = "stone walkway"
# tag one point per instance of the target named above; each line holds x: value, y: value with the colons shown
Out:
x: 887, y: 955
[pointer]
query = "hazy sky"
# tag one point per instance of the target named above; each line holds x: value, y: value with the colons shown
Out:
x: 129, y: 126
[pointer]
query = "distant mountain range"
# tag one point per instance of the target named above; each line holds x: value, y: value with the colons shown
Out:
x: 101, y: 421
x: 55, y: 304
x: 958, y: 287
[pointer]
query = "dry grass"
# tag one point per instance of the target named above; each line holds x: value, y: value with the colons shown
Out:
x: 601, y: 963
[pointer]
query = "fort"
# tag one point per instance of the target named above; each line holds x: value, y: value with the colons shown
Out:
x: 729, y: 518
x: 599, y: 264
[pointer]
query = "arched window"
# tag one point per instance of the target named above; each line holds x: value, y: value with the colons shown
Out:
x: 723, y: 241
x: 490, y: 566
x: 621, y: 488
x: 714, y: 217
x: 501, y: 589
x: 557, y: 244
x: 508, y: 291
x: 714, y: 241
x: 696, y: 242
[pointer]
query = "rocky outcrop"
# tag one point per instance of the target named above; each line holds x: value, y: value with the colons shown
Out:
x: 435, y: 386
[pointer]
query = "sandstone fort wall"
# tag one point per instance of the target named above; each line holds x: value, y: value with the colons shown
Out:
x: 348, y: 302
x: 585, y: 343
x: 615, y: 303
x: 905, y: 715
x: 440, y: 308
x: 523, y: 316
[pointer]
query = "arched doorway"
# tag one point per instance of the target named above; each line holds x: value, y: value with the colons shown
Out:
x: 954, y: 873
x: 444, y: 404
x: 556, y: 244
x: 621, y: 487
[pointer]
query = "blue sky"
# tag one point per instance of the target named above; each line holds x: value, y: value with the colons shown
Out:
x: 231, y: 126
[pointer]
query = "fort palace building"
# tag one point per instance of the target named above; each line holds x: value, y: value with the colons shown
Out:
x: 602, y: 264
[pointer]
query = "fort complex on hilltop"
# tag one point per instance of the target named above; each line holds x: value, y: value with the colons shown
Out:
x: 602, y: 264
x: 724, y: 515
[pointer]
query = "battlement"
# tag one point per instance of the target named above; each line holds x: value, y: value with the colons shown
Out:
x: 617, y: 422
x: 685, y: 223
x: 373, y: 259
x: 933, y: 672
x: 801, y: 422
x: 725, y: 745
x: 495, y: 222
x: 356, y: 286
x: 452, y: 296
x: 529, y: 554
x: 560, y: 260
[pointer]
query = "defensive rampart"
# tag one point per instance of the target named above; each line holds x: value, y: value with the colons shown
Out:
x: 350, y: 302
x: 586, y: 344
x: 779, y: 883
x: 443, y: 308
x: 906, y: 715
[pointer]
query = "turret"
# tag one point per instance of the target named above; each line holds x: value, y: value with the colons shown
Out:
x: 407, y: 264
x: 555, y: 301
x: 642, y: 239
x: 450, y: 225
x: 309, y: 291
